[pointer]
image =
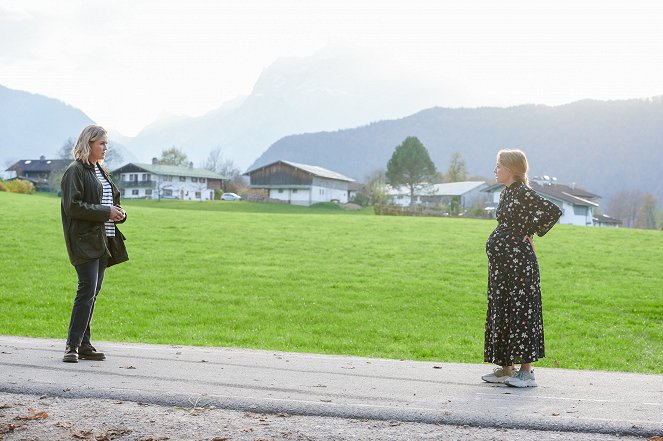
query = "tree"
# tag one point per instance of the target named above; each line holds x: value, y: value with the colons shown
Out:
x: 646, y: 217
x: 457, y: 171
x: 625, y: 206
x: 410, y: 165
x: 113, y: 157
x: 374, y: 191
x: 213, y: 160
x: 65, y: 150
x: 234, y: 181
x: 173, y: 156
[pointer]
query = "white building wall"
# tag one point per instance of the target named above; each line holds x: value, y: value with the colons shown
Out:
x: 185, y: 190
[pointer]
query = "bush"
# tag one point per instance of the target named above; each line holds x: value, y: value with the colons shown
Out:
x: 2, y: 186
x: 20, y: 186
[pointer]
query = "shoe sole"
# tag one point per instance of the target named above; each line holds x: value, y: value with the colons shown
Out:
x: 496, y: 381
x: 91, y: 357
x: 522, y: 386
x: 70, y: 360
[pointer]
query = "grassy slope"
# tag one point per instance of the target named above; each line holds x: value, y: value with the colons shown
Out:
x: 299, y: 279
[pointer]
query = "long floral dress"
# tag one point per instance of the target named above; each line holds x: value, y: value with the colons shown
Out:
x: 514, y: 322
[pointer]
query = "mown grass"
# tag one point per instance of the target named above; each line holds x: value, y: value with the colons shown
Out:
x: 326, y: 281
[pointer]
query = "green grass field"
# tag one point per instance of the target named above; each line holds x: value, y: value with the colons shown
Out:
x: 328, y: 281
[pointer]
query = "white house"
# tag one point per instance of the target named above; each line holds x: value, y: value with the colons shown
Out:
x: 300, y: 184
x: 154, y: 181
x: 577, y: 204
x: 465, y: 194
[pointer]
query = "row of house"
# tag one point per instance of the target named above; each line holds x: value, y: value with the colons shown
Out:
x: 304, y: 184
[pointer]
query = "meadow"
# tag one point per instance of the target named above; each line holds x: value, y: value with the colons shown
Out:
x: 328, y: 281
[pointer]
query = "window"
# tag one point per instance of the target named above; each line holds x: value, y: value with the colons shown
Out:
x: 168, y: 192
x: 580, y: 210
x: 194, y: 179
x: 134, y: 192
x: 146, y: 177
x: 122, y: 192
x: 182, y: 178
x: 280, y: 190
x: 294, y: 190
x: 201, y: 179
x: 168, y: 178
x: 133, y: 177
x: 148, y: 192
x: 197, y: 195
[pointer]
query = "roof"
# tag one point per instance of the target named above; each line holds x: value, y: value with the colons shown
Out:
x: 40, y: 165
x: 312, y: 169
x: 605, y: 219
x: 447, y: 189
x: 170, y: 170
x: 560, y: 192
x: 456, y: 188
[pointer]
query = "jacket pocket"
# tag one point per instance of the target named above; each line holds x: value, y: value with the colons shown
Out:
x: 90, y: 244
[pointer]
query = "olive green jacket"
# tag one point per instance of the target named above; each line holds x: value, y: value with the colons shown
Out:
x: 83, y: 216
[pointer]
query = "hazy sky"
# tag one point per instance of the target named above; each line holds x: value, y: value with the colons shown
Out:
x: 123, y: 62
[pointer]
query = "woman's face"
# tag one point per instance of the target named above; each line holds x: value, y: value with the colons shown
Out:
x: 98, y: 150
x: 502, y: 174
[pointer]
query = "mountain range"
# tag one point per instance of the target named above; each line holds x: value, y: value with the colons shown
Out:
x: 33, y: 125
x: 326, y: 91
x: 603, y: 146
x: 344, y: 112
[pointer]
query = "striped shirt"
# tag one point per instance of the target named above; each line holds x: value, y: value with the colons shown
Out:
x: 106, y: 199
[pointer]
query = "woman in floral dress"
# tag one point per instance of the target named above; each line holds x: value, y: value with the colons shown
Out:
x: 514, y: 322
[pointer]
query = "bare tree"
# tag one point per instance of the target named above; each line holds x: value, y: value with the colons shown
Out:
x: 113, y: 157
x: 374, y: 191
x: 65, y: 150
x: 457, y: 171
x: 213, y: 160
x: 646, y: 217
x: 233, y: 179
x: 625, y: 206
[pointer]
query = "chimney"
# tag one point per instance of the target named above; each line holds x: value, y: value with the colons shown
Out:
x: 155, y: 161
x: 190, y: 164
x: 42, y: 158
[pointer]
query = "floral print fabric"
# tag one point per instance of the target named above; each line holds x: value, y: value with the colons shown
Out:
x: 514, y: 321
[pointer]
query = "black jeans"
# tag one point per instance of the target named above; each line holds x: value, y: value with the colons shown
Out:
x: 90, y: 277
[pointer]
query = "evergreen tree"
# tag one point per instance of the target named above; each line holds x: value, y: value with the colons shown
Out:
x: 410, y: 165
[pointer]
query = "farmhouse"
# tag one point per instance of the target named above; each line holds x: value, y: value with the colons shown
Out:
x: 576, y: 203
x: 300, y: 184
x: 462, y: 195
x: 38, y: 171
x: 158, y: 181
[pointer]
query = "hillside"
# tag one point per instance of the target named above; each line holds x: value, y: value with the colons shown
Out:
x: 603, y: 146
x: 32, y: 125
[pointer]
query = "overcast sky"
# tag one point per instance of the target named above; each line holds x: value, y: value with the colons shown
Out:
x: 123, y: 62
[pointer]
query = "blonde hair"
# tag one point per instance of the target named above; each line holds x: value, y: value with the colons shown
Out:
x: 89, y: 134
x: 516, y: 161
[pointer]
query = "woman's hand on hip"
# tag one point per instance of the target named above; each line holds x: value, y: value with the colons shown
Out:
x: 529, y: 239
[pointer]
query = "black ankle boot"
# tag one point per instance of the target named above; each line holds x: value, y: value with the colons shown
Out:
x: 70, y: 354
x: 88, y: 352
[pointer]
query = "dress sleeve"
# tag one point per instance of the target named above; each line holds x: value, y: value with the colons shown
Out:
x: 539, y: 214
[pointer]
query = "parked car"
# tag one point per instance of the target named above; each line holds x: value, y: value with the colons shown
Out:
x: 230, y: 197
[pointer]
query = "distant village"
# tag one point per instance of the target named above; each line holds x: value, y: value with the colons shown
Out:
x: 305, y: 184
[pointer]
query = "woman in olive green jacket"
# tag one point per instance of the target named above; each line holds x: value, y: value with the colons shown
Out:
x: 90, y: 210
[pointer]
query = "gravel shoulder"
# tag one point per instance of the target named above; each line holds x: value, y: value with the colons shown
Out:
x: 31, y: 417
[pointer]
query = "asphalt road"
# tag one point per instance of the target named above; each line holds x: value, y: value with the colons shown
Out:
x: 337, y: 386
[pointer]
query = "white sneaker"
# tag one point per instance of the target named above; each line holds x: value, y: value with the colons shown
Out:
x: 522, y: 379
x: 499, y: 375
